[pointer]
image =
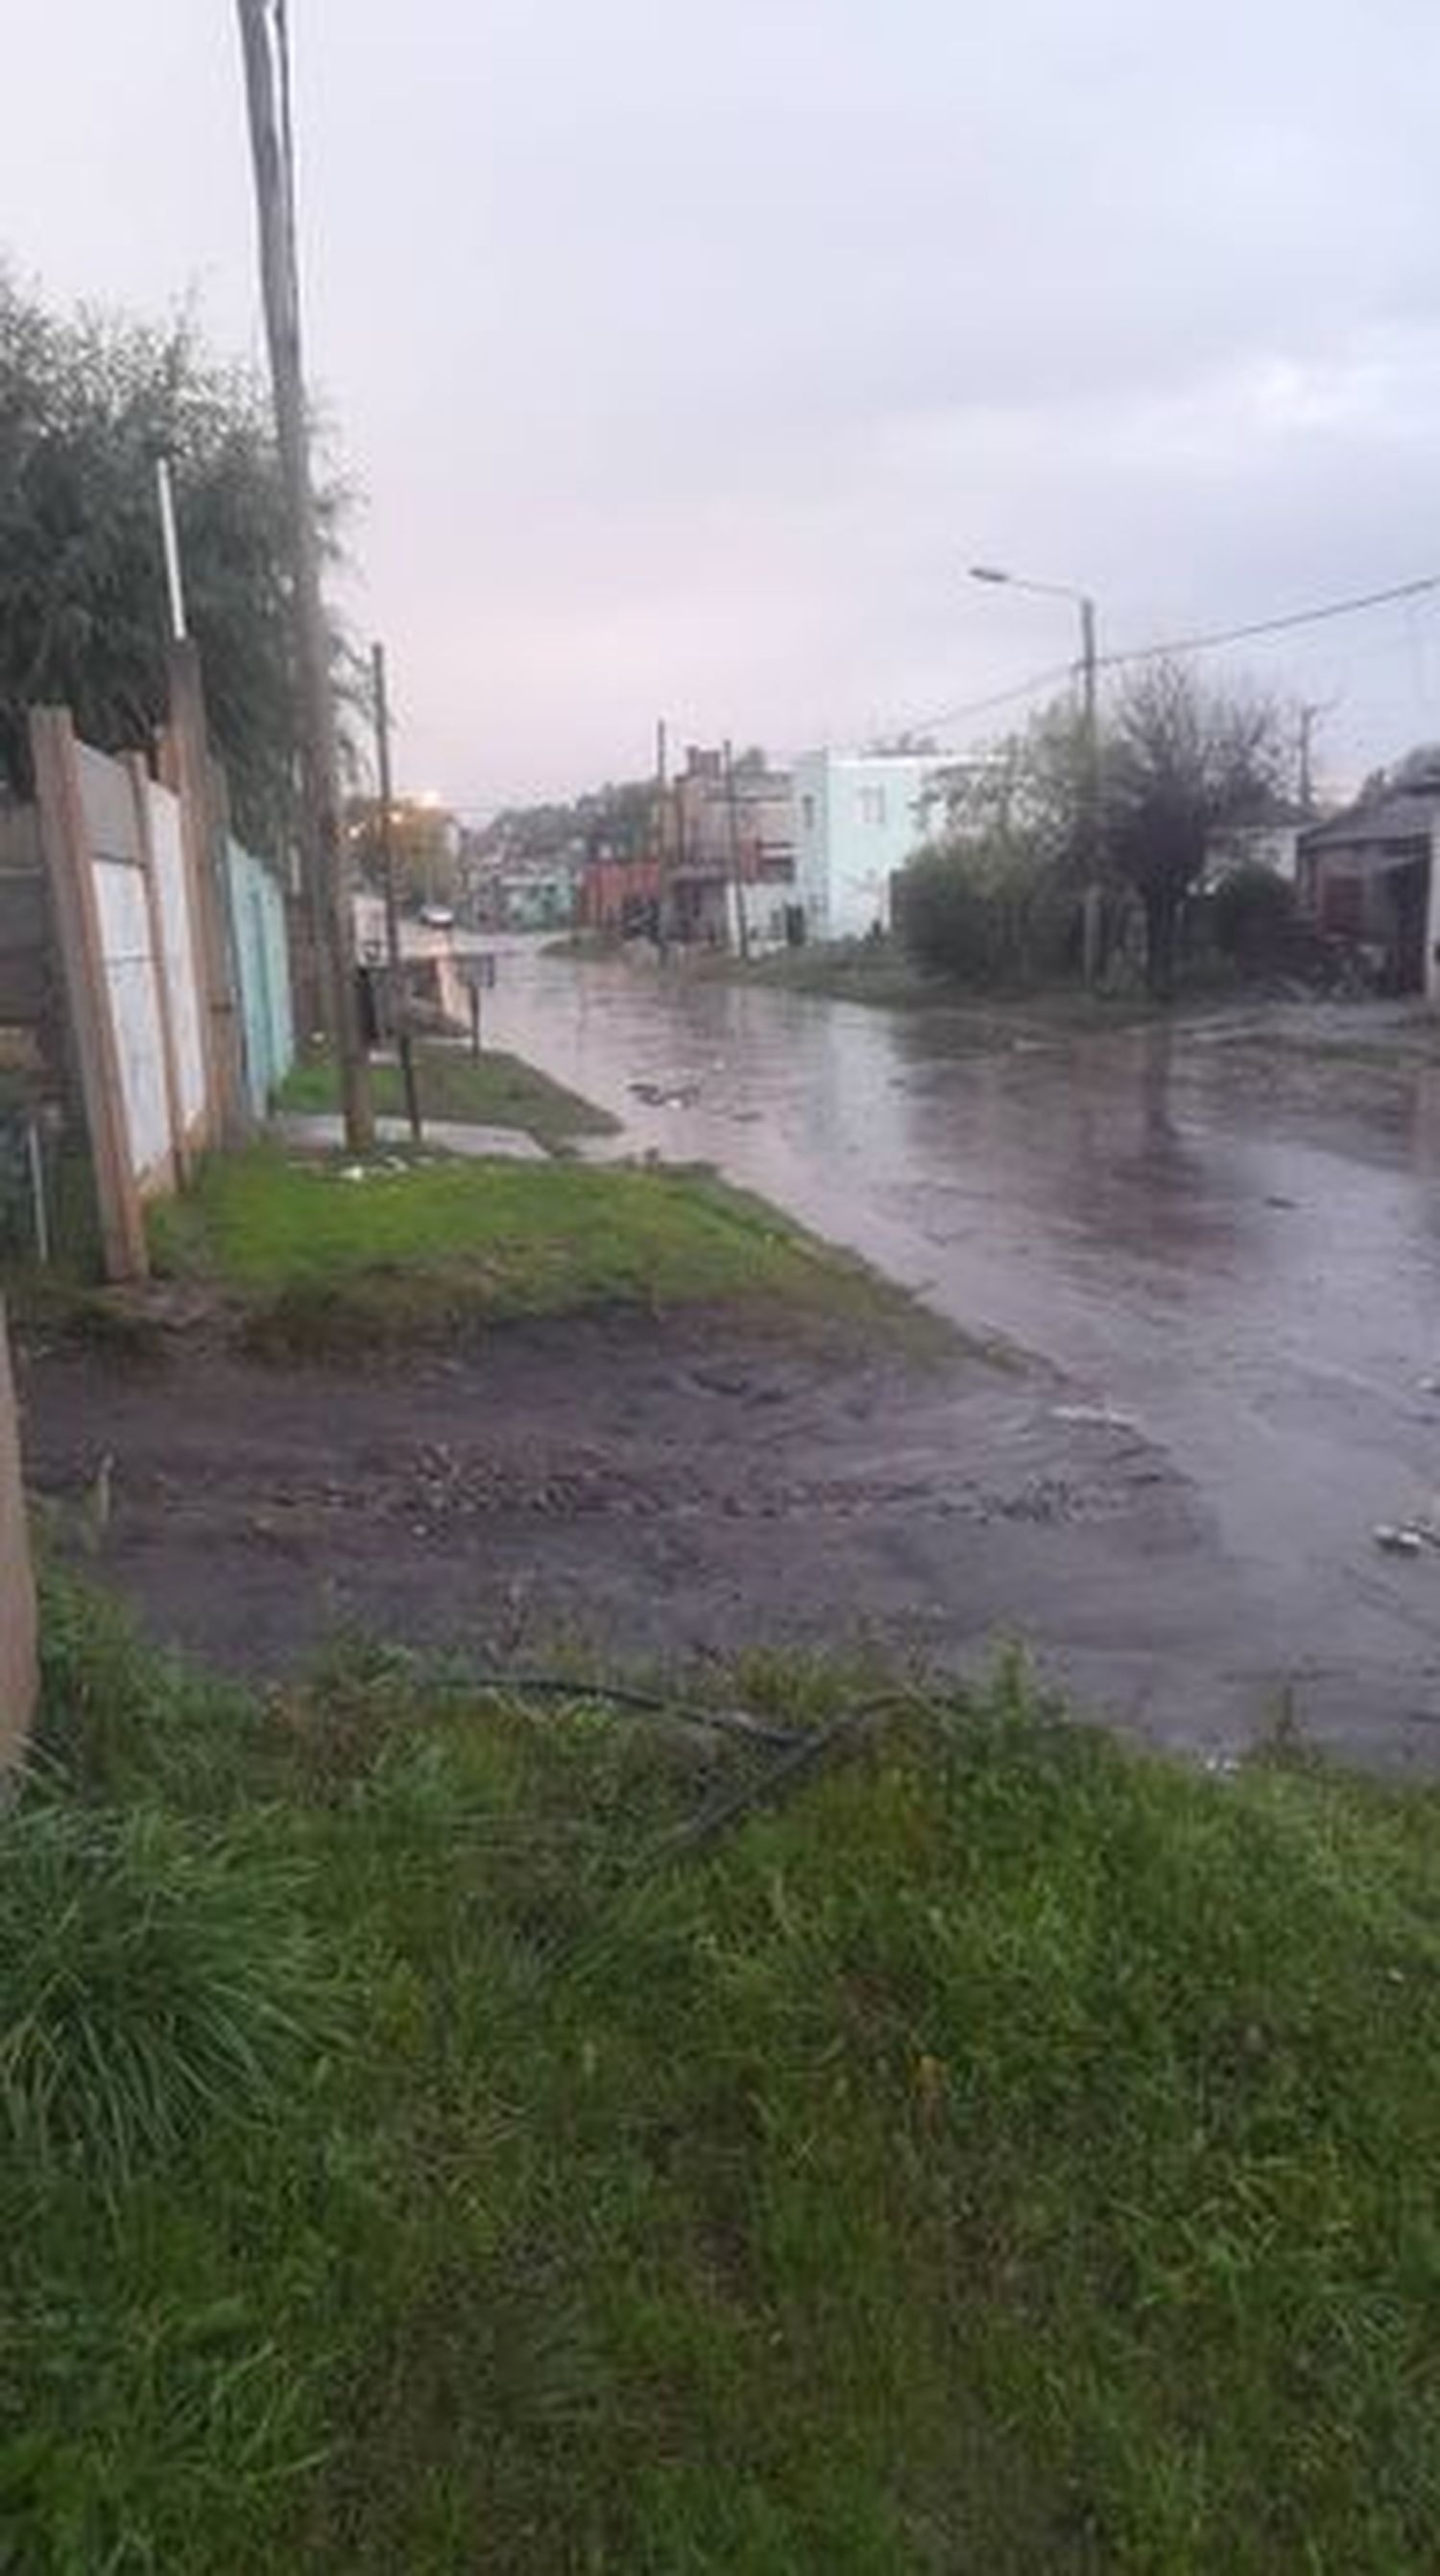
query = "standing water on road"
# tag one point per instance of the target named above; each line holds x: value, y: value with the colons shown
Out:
x: 1231, y: 1241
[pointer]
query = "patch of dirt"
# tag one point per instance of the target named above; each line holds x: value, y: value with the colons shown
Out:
x: 634, y: 1487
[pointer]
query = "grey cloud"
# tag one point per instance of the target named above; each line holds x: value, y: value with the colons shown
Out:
x: 684, y: 354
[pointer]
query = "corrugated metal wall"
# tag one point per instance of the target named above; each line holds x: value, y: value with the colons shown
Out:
x: 262, y: 962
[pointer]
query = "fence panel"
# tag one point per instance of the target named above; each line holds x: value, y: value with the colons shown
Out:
x: 262, y: 957
x: 131, y: 968
x: 181, y: 957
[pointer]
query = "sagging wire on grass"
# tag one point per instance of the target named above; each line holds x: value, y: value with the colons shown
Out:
x: 642, y: 1703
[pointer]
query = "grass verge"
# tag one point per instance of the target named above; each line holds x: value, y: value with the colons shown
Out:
x: 491, y: 1090
x: 324, y: 1254
x: 880, y: 972
x: 1004, y: 2152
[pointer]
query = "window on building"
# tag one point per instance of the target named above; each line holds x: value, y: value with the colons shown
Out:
x: 872, y: 805
x: 807, y: 813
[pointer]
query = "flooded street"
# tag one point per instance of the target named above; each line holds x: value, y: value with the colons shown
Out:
x: 1231, y: 1243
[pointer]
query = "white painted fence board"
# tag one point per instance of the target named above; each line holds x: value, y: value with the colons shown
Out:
x: 111, y: 821
x: 181, y: 952
x: 130, y: 971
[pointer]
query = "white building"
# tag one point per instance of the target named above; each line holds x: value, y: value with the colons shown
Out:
x: 858, y: 817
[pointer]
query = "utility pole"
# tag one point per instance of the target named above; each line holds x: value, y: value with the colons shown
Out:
x: 1309, y: 718
x: 1091, y: 836
x: 263, y: 36
x: 1090, y: 754
x: 662, y: 837
x: 737, y: 880
x: 399, y: 1014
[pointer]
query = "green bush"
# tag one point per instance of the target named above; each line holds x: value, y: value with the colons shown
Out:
x: 963, y: 914
x: 1252, y: 916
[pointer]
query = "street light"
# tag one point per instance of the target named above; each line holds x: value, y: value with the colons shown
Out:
x: 1090, y: 736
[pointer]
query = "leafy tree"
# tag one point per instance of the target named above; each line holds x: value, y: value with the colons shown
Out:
x: 993, y: 897
x: 614, y: 821
x: 87, y: 404
x: 1253, y: 917
x: 1181, y: 762
x: 1021, y: 800
x: 424, y: 843
x: 985, y: 915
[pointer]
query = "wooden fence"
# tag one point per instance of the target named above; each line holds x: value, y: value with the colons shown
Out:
x: 144, y: 975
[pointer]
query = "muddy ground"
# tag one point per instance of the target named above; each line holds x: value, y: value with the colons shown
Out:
x: 633, y: 1489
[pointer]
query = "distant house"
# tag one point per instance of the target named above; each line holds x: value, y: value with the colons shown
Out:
x: 620, y: 897
x: 1270, y: 840
x: 1369, y: 875
x: 858, y: 817
x: 730, y: 853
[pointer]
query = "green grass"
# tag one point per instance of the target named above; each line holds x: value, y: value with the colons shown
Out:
x: 1006, y: 2152
x: 493, y: 1090
x: 321, y: 1257
x: 880, y: 972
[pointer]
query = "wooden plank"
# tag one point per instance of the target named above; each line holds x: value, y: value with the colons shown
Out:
x: 24, y: 918
x: 19, y: 1676
x: 24, y: 985
x: 140, y: 789
x: 20, y: 840
x: 69, y: 867
x: 188, y: 770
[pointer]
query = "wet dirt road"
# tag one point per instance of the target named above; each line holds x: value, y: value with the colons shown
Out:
x: 1229, y: 1241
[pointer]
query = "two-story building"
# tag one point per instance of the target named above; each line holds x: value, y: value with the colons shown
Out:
x: 729, y: 860
x: 858, y: 816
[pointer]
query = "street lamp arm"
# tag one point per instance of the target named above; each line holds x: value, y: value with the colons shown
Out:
x: 1090, y: 817
x: 1018, y: 581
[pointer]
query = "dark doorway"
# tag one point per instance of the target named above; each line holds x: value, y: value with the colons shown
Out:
x: 1409, y: 890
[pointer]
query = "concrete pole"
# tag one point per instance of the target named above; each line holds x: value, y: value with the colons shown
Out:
x: 266, y: 80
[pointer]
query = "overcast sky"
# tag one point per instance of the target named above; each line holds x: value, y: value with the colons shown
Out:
x: 685, y: 356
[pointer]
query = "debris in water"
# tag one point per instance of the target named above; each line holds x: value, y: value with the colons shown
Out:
x: 1102, y: 1415
x: 1398, y: 1540
x: 657, y: 1095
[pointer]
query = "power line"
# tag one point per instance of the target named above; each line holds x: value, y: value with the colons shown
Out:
x: 1050, y: 679
x: 1276, y: 625
x: 1424, y: 584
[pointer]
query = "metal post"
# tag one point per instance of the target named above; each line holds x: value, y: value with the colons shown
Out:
x: 1090, y: 791
x: 170, y: 541
x: 404, y: 1044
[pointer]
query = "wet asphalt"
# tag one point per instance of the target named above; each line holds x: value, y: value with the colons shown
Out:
x: 1214, y: 1231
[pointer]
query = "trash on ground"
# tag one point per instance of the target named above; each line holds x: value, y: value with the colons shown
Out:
x: 659, y: 1095
x: 1103, y: 1415
x: 1398, y: 1540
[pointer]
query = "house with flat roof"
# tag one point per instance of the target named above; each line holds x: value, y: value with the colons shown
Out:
x: 858, y: 816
